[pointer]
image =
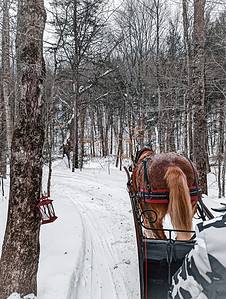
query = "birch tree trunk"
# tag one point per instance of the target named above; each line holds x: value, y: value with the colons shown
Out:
x: 20, y: 252
x: 199, y: 113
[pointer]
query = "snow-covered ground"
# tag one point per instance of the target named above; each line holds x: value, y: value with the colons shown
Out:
x: 89, y: 252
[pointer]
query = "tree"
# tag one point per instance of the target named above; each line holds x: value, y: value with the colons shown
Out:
x: 216, y: 92
x: 5, y: 110
x: 79, y: 23
x: 6, y: 71
x: 20, y: 251
x: 3, y: 160
x: 199, y: 94
x: 139, y: 25
x: 188, y: 144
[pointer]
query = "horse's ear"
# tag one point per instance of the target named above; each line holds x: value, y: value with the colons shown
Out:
x: 152, y: 152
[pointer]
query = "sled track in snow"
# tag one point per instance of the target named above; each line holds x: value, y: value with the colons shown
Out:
x: 75, y: 278
x: 91, y: 280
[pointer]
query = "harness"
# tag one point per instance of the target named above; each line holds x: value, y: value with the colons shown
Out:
x: 162, y: 195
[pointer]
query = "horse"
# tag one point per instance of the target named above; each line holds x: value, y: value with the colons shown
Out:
x: 165, y: 183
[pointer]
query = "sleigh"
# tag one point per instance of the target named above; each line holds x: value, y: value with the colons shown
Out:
x: 161, y: 184
x: 159, y: 259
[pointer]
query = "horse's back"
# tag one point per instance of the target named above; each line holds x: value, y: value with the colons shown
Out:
x: 159, y: 163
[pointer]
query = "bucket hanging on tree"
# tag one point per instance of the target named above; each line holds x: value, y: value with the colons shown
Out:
x: 45, y: 206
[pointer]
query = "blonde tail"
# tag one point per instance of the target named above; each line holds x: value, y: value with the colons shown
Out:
x: 180, y: 207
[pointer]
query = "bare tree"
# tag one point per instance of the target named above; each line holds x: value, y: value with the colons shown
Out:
x: 199, y: 94
x: 188, y: 138
x: 79, y: 23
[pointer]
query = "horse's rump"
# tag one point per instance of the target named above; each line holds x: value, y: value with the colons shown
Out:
x: 159, y: 165
x: 157, y: 172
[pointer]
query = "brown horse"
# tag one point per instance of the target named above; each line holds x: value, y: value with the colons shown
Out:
x: 165, y: 183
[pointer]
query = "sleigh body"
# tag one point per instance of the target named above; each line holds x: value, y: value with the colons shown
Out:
x: 161, y: 184
x: 158, y: 259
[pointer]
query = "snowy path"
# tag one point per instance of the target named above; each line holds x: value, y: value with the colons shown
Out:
x: 94, y: 207
x: 90, y: 251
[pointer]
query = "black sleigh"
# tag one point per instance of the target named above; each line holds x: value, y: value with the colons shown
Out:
x: 159, y: 259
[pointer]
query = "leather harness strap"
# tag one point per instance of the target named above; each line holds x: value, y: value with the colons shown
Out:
x: 146, y: 178
x: 162, y: 195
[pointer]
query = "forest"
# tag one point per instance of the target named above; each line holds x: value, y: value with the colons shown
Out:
x: 104, y: 79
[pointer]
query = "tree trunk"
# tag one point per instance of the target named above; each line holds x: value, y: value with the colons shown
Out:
x: 2, y: 140
x: 75, y: 158
x: 120, y: 144
x: 111, y: 137
x: 92, y: 145
x: 82, y: 134
x: 50, y: 150
x: 224, y: 170
x: 106, y: 133
x: 6, y: 72
x: 75, y: 70
x: 199, y: 114
x: 185, y: 127
x: 220, y: 150
x: 20, y: 251
x: 131, y: 154
x: 188, y: 111
x: 3, y: 161
x: 160, y: 117
x: 101, y: 130
x: 190, y: 131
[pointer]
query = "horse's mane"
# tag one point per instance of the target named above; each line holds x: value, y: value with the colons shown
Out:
x: 141, y: 152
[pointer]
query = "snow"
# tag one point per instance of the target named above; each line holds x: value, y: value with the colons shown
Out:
x: 17, y: 296
x: 90, y: 250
